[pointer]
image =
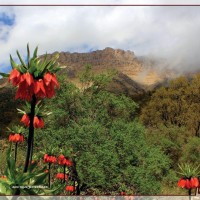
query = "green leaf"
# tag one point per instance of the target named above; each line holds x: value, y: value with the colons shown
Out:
x: 40, y: 179
x: 4, y: 75
x: 21, y: 69
x: 32, y: 166
x: 21, y: 111
x: 21, y: 60
x: 12, y: 62
x: 36, y: 73
x: 28, y: 55
x: 55, y: 190
x: 32, y: 66
x: 11, y: 167
x: 26, y: 177
x: 35, y: 53
x: 29, y: 191
x: 5, y: 188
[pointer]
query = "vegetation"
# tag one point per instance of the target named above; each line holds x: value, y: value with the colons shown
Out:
x: 113, y: 146
x: 177, y: 104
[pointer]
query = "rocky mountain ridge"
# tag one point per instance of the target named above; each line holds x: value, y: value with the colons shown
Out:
x: 139, y: 70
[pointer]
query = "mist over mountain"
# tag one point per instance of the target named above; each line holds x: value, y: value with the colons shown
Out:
x: 144, y: 71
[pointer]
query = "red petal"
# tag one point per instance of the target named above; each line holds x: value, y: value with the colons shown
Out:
x: 69, y: 188
x: 194, y: 182
x: 21, y: 138
x: 68, y: 163
x: 42, y: 86
x: 54, y: 80
x: 39, y: 89
x: 47, y: 78
x: 36, y: 122
x: 29, y: 78
x: 36, y: 86
x: 41, y: 123
x: 25, y: 119
x: 187, y: 184
x: 10, y: 138
x: 50, y: 92
x: 14, y: 74
x: 182, y: 183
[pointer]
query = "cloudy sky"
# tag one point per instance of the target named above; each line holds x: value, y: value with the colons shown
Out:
x: 169, y: 32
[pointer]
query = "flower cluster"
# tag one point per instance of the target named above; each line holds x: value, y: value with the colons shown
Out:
x: 64, y: 161
x: 49, y: 159
x: 61, y: 176
x: 28, y: 85
x: 70, y: 188
x: 188, y: 183
x: 37, y: 121
x: 15, y: 137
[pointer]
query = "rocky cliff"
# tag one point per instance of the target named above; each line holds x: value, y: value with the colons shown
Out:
x: 143, y: 71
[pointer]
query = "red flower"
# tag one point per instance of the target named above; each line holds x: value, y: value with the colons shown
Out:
x: 50, y: 78
x: 181, y: 183
x: 46, y: 157
x: 47, y: 78
x: 15, y: 77
x: 122, y: 193
x: 68, y: 162
x: 50, y: 92
x: 25, y: 119
x: 50, y: 81
x: 38, y: 122
x: 39, y: 89
x: 52, y: 159
x: 25, y: 91
x: 70, y: 188
x: 61, y: 176
x: 16, y: 138
x: 64, y: 161
x: 3, y: 178
x: 49, y: 159
x: 194, y: 182
x: 187, y: 184
x: 61, y: 159
x: 28, y: 78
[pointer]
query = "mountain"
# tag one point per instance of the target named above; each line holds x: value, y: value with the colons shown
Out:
x: 142, y: 71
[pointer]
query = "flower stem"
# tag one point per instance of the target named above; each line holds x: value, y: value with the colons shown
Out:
x: 49, y: 175
x: 64, y: 173
x: 189, y: 193
x: 30, y: 135
x: 31, y: 156
x: 16, y: 151
x: 75, y: 173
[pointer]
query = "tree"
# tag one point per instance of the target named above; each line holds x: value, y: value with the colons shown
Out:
x: 177, y: 104
x: 109, y: 143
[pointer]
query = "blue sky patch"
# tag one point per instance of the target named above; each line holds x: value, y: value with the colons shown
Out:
x: 6, y: 19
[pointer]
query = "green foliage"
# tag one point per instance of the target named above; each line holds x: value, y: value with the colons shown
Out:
x: 177, y: 105
x: 191, y: 151
x: 188, y: 170
x: 8, y: 107
x: 171, y: 140
x: 17, y: 182
x: 109, y: 144
x: 34, y: 64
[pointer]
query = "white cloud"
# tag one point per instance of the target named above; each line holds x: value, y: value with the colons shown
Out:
x: 170, y: 32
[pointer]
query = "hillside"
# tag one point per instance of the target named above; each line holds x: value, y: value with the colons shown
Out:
x: 142, y: 71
